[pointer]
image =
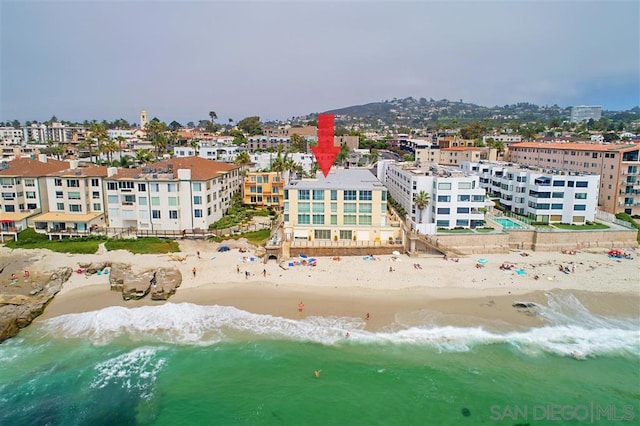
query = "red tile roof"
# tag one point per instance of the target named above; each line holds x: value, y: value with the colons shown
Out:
x: 201, y: 168
x: 28, y: 167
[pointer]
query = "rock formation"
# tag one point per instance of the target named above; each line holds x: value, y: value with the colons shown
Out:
x: 161, y: 282
x: 19, y: 305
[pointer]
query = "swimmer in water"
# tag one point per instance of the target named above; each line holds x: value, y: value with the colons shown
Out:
x: 316, y: 373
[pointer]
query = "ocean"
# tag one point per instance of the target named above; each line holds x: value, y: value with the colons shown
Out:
x: 185, y: 364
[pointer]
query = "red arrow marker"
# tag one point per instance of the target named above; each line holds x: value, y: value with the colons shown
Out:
x: 325, y: 152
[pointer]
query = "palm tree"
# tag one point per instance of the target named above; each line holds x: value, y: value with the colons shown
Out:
x: 121, y: 140
x: 144, y: 156
x: 373, y: 156
x: 342, y: 156
x: 109, y: 147
x: 242, y: 160
x: 213, y: 116
x: 421, y: 201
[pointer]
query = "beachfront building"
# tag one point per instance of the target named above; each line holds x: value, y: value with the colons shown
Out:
x: 348, y: 205
x: 178, y: 194
x: 264, y: 189
x: 617, y: 164
x: 456, y: 200
x: 546, y: 196
x: 24, y: 190
x: 75, y: 201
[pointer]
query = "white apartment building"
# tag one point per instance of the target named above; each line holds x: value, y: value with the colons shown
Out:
x: 11, y: 135
x: 506, y: 139
x: 347, y: 205
x: 456, y: 200
x: 585, y: 113
x: 547, y: 196
x: 35, y: 133
x: 172, y: 195
x: 264, y: 160
x: 125, y: 133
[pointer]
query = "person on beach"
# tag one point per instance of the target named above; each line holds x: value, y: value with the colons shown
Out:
x: 367, y: 316
x: 264, y: 273
x: 26, y: 273
x: 300, y: 306
x: 238, y: 268
x: 194, y: 271
x: 198, y: 253
x: 246, y: 275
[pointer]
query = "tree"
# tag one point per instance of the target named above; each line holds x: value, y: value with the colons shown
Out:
x: 213, y: 116
x: 156, y: 135
x: 98, y: 133
x: 109, y: 147
x: 342, y: 156
x: 373, y: 156
x: 421, y: 201
x: 250, y: 125
x: 144, y: 156
x: 120, y: 140
x: 298, y: 143
x: 174, y: 125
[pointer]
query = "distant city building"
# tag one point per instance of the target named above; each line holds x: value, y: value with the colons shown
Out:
x: 585, y: 113
x: 144, y: 118
x: 11, y: 135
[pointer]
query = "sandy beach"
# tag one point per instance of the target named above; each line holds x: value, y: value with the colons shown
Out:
x: 392, y: 289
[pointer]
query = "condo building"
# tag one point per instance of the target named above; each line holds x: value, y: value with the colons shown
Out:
x: 456, y: 200
x: 617, y: 164
x: 545, y: 196
x: 347, y: 205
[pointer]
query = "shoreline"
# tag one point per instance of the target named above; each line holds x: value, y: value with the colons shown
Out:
x: 418, y: 289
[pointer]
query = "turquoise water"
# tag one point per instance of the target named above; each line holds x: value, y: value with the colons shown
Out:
x: 507, y: 223
x: 187, y: 364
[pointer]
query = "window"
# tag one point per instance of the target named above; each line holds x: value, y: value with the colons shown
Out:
x: 346, y: 235
x: 208, y: 211
x: 318, y: 219
x: 462, y: 222
x: 173, y: 201
x: 73, y: 183
x: 557, y: 195
x: 57, y: 182
x: 349, y: 195
x: 142, y: 201
x: 112, y: 199
x: 465, y: 185
x: 384, y: 196
x: 365, y: 208
x: 304, y: 219
x: 334, y: 195
x: 95, y: 195
x: 580, y: 207
x: 125, y: 185
x: 558, y: 183
x: 304, y: 207
x: 364, y: 219
x: 75, y: 208
x: 197, y: 199
x: 442, y: 223
x: 464, y: 197
x: 463, y: 210
x: 173, y: 214
x: 97, y: 207
x: 334, y: 219
x: 154, y: 187
x: 155, y: 214
x: 112, y: 186
x: 477, y: 198
x: 318, y: 207
x: 59, y: 194
x: 444, y: 198
x: 155, y: 201
x: 444, y: 185
x: 318, y: 194
x: 350, y: 207
x: 73, y: 195
x: 303, y: 194
x: 444, y: 210
x: 60, y: 206
x: 334, y: 207
x: 349, y: 219
x: 365, y: 195
x: 197, y: 186
x: 556, y: 206
x: 172, y: 187
x: 581, y: 196
x: 29, y: 182
x: 322, y: 234
x: 142, y: 187
x: 582, y: 184
x: 95, y: 182
x: 197, y: 213
x: 31, y: 195
x: 129, y: 199
x: 11, y: 209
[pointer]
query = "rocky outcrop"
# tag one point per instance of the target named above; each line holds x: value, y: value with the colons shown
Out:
x: 93, y: 267
x: 161, y: 282
x: 19, y: 306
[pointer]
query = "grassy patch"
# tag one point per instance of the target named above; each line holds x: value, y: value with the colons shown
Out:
x: 257, y: 238
x: 30, y: 239
x: 485, y: 229
x: 455, y: 231
x: 586, y: 227
x: 144, y: 245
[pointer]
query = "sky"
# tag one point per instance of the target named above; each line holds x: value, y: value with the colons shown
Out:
x: 278, y: 59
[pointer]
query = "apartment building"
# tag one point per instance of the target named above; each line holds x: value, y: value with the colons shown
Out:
x: 456, y: 155
x: 24, y: 190
x: 547, y: 196
x: 265, y: 160
x: 456, y: 200
x: 11, y: 135
x: 264, y: 189
x: 617, y: 164
x: 75, y: 199
x: 347, y: 205
x: 172, y: 195
x: 585, y: 113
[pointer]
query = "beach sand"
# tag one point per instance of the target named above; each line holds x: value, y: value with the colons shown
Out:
x: 439, y: 292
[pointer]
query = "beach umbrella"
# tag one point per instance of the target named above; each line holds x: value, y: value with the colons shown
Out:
x: 395, y: 253
x: 223, y: 248
x: 482, y: 261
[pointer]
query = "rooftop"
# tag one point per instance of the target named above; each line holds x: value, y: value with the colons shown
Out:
x: 339, y: 179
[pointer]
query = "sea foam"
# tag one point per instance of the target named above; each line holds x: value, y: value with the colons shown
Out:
x: 571, y: 331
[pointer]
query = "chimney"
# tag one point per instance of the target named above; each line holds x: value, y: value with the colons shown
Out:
x: 111, y: 171
x: 73, y: 164
x: 42, y: 158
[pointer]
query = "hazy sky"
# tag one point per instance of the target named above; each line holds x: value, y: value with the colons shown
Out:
x: 277, y: 59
